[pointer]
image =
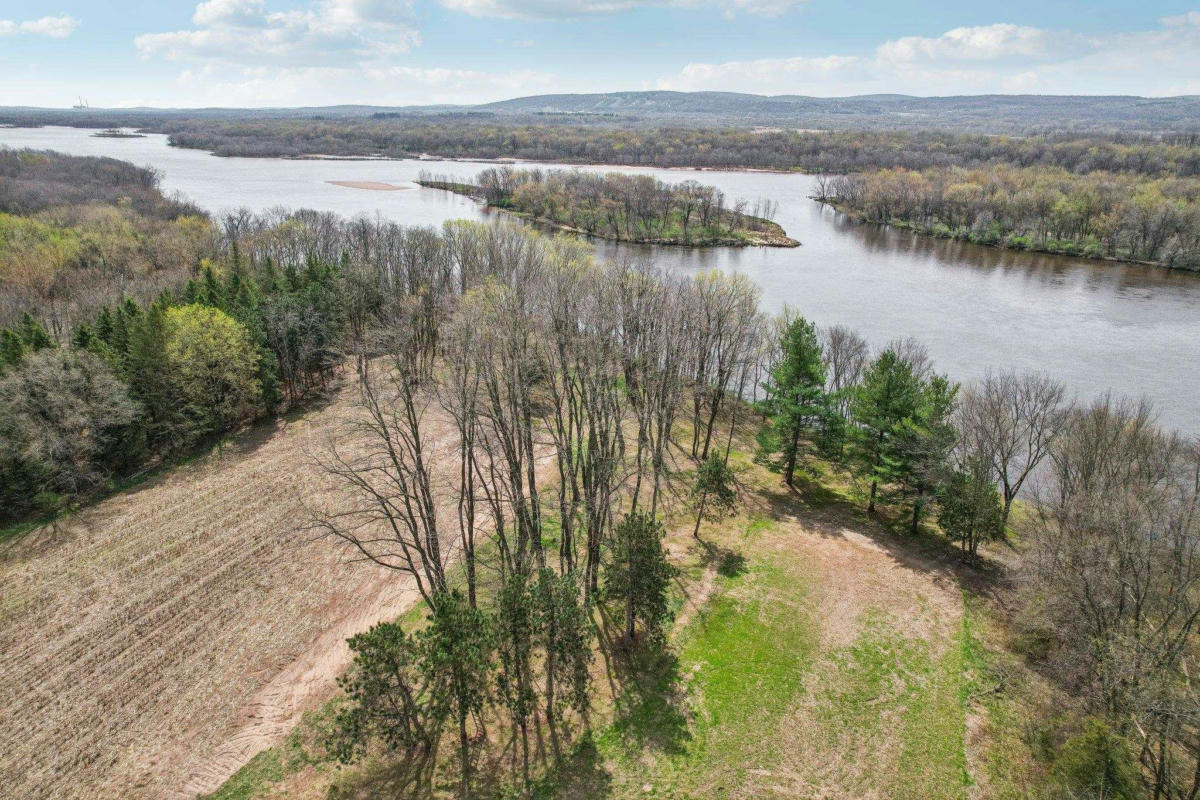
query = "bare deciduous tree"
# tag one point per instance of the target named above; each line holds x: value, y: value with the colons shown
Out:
x: 1013, y: 418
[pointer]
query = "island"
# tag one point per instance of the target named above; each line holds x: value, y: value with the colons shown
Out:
x: 118, y: 133
x: 621, y: 207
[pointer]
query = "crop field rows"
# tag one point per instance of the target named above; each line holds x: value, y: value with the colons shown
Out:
x: 138, y: 637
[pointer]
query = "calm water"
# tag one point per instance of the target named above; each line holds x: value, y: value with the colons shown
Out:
x: 1135, y: 330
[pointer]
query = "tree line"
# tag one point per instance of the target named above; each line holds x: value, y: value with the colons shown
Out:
x: 714, y: 148
x: 632, y: 208
x: 1097, y: 215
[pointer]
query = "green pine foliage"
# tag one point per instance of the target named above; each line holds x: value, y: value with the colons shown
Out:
x: 889, y: 395
x: 797, y: 389
x: 640, y: 575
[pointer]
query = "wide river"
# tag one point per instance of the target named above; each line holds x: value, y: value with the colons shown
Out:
x: 1096, y: 326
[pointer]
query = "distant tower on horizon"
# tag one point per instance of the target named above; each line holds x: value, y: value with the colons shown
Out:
x: 81, y: 105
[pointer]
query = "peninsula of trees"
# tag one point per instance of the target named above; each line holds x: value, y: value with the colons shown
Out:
x: 1111, y: 215
x: 626, y: 208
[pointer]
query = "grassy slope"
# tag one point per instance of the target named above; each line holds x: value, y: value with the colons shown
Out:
x: 813, y: 657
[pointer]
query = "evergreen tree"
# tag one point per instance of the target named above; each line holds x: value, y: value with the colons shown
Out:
x: 971, y: 508
x: 388, y: 695
x: 715, y: 490
x: 12, y: 348
x: 640, y: 574
x: 566, y: 634
x: 922, y: 445
x: 148, y: 371
x: 515, y: 631
x: 889, y: 395
x: 33, y: 334
x: 458, y: 659
x: 796, y: 388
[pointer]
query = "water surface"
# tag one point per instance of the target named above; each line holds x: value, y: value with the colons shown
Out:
x: 1096, y: 326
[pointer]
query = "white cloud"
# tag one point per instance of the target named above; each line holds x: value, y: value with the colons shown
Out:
x: 980, y: 43
x: 1000, y: 58
x: 330, y: 32
x: 570, y: 9
x: 59, y: 27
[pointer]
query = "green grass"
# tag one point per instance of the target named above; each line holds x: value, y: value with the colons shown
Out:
x: 706, y: 718
x: 892, y: 707
x: 274, y: 764
x: 1000, y: 689
x: 253, y: 779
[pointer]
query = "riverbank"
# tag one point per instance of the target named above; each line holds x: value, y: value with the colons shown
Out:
x: 1013, y: 242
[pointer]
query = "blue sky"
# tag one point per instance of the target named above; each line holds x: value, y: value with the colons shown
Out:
x: 395, y: 52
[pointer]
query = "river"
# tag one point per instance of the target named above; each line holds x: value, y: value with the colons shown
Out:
x: 1096, y: 326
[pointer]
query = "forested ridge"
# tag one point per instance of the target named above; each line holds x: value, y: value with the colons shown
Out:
x: 628, y: 208
x: 1095, y: 215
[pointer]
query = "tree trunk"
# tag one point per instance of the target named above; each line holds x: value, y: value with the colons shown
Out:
x: 465, y: 749
x: 790, y: 471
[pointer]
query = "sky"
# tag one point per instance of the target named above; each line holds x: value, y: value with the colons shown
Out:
x: 166, y: 53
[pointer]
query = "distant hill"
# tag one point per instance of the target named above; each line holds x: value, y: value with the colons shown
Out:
x: 976, y: 113
x: 1007, y: 112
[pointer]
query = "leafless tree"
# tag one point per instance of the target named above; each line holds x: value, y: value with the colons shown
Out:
x: 384, y: 460
x: 1014, y: 417
x: 1114, y: 576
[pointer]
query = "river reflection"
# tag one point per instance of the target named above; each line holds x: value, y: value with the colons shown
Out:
x: 1097, y: 326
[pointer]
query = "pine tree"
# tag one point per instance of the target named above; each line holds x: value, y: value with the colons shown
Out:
x: 971, y: 509
x: 715, y: 490
x: 12, y: 349
x: 889, y: 395
x: 922, y: 446
x: 796, y: 388
x: 458, y: 659
x: 640, y: 574
x: 33, y: 334
x: 147, y: 369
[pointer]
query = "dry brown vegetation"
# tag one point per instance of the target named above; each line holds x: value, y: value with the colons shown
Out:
x: 153, y: 643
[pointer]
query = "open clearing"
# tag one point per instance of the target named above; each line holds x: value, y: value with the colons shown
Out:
x: 152, y: 644
x: 816, y: 655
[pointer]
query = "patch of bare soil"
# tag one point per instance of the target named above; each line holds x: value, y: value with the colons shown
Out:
x: 151, y: 645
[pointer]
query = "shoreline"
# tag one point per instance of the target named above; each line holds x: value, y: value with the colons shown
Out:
x: 857, y: 218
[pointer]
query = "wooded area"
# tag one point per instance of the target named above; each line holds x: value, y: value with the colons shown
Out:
x: 1096, y: 215
x: 713, y: 148
x: 627, y: 208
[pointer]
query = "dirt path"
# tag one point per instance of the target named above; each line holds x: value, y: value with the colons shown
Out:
x: 305, y: 683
